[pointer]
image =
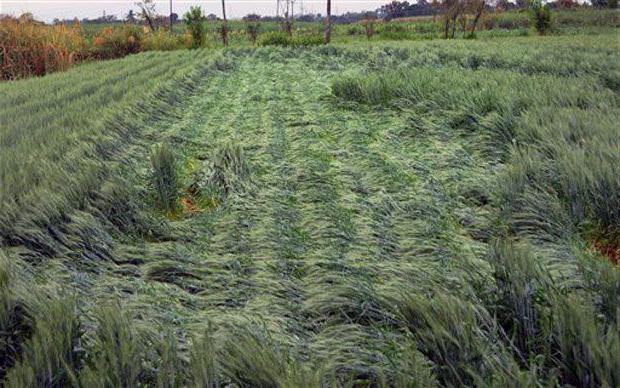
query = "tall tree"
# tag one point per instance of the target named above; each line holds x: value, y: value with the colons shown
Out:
x: 478, y: 14
x: 452, y: 10
x: 194, y: 19
x: 131, y: 17
x: 147, y: 8
x: 327, y: 31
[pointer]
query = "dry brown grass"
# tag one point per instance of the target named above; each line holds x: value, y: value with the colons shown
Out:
x: 29, y: 48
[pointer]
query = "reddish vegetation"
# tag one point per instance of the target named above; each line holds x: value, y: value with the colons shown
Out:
x: 608, y: 245
x: 611, y: 252
x: 189, y: 206
x: 30, y: 48
x: 116, y: 42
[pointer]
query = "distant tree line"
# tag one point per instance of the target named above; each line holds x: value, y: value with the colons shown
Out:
x: 131, y: 18
x: 393, y: 10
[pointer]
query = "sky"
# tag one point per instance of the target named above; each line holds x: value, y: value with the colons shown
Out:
x: 48, y: 10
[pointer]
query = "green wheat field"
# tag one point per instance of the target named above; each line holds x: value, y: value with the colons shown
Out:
x: 407, y: 214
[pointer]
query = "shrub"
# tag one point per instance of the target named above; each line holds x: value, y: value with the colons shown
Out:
x: 116, y: 42
x: 354, y: 29
x: 194, y: 19
x: 274, y: 38
x: 279, y: 38
x: 161, y: 40
x: 307, y: 40
x: 541, y: 16
x: 164, y: 177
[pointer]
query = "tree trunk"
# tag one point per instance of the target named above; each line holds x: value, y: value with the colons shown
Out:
x: 457, y: 11
x: 150, y: 22
x: 480, y: 10
x: 287, y: 16
x: 447, y: 27
x: 327, y: 30
x: 456, y: 14
x: 170, y: 17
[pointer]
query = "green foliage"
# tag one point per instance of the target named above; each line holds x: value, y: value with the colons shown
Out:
x: 541, y: 16
x: 194, y: 20
x: 15, y: 312
x: 162, y: 40
x: 52, y: 356
x: 96, y: 127
x: 523, y: 291
x: 230, y: 170
x: 125, y: 353
x: 203, y: 362
x: 118, y: 353
x: 116, y: 42
x: 280, y: 38
x: 584, y: 184
x: 307, y: 40
x: 586, y: 351
x: 458, y: 337
x: 31, y: 48
x: 164, y: 177
x: 274, y: 38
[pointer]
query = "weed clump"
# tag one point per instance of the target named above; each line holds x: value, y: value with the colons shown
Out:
x: 280, y: 38
x: 164, y: 178
x: 274, y: 38
x: 230, y: 169
x: 541, y: 16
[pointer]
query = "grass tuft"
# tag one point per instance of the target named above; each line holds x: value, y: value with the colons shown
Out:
x: 164, y: 178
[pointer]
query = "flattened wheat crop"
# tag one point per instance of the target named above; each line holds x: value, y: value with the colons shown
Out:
x: 406, y: 214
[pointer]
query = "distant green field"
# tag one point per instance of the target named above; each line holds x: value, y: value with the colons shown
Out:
x: 434, y: 213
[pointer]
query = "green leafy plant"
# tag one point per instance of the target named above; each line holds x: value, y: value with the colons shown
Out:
x: 274, y: 38
x: 541, y: 16
x: 194, y: 19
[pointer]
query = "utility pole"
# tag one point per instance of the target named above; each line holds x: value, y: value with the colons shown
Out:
x: 225, y: 25
x: 288, y: 17
x: 327, y: 31
x: 170, y: 17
